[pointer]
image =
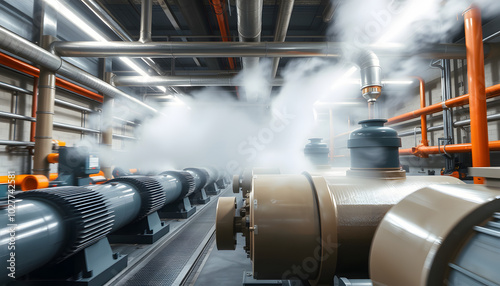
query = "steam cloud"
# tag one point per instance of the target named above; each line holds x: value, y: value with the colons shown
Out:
x: 265, y: 129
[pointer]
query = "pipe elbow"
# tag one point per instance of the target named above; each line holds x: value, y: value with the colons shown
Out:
x: 371, y: 74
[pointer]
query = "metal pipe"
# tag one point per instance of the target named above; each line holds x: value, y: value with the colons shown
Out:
x: 55, y: 124
x: 240, y: 49
x: 119, y: 136
x: 34, y: 106
x: 453, y: 148
x: 75, y: 128
x: 328, y: 12
x: 16, y: 143
x: 492, y: 91
x: 14, y: 88
x: 28, y: 69
x: 35, y: 90
x: 25, y: 49
x: 460, y: 123
x: 146, y: 20
x: 44, y: 117
x: 477, y: 100
x: 447, y: 112
x: 72, y: 105
x: 124, y: 120
x: 215, y: 80
x: 249, y: 26
x: 108, y: 20
x: 284, y: 15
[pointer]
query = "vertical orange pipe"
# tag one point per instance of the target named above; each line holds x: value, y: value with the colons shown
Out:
x: 423, y: 118
x: 223, y: 25
x: 34, y: 101
x: 477, y: 90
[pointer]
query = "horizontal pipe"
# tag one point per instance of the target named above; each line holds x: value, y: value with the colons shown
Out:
x: 55, y: 124
x: 119, y: 136
x: 209, y: 80
x: 240, y: 49
x: 11, y: 87
x: 492, y: 91
x: 75, y: 128
x: 460, y: 123
x: 72, y: 105
x: 28, y: 69
x: 57, y: 101
x: 16, y: 143
x: 124, y: 121
x: 452, y: 148
x: 27, y: 50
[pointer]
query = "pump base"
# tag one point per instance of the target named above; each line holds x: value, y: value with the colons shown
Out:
x: 146, y: 231
x: 92, y: 266
x: 181, y: 209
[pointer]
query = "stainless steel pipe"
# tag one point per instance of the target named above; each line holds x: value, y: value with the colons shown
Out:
x: 240, y: 49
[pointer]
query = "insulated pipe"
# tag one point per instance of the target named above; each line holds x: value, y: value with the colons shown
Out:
x: 146, y: 20
x: 477, y: 99
x: 44, y: 117
x: 25, y: 49
x: 114, y: 205
x: 249, y: 26
x: 239, y: 49
x: 284, y: 15
x: 453, y: 148
x: 492, y: 91
x: 208, y: 80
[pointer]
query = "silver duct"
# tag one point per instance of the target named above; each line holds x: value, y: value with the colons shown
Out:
x: 27, y: 50
x: 371, y: 78
x: 285, y: 13
x: 146, y: 20
x: 249, y: 26
x: 217, y: 80
x: 238, y: 49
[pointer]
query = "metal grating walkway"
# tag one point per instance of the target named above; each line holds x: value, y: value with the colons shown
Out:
x: 169, y: 261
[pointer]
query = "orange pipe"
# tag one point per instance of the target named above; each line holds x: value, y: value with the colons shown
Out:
x: 33, y: 182
x: 34, y: 102
x: 423, y: 118
x: 53, y: 158
x: 477, y: 91
x: 53, y: 176
x: 18, y: 179
x: 220, y: 13
x: 492, y: 91
x: 452, y: 148
x: 28, y: 69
